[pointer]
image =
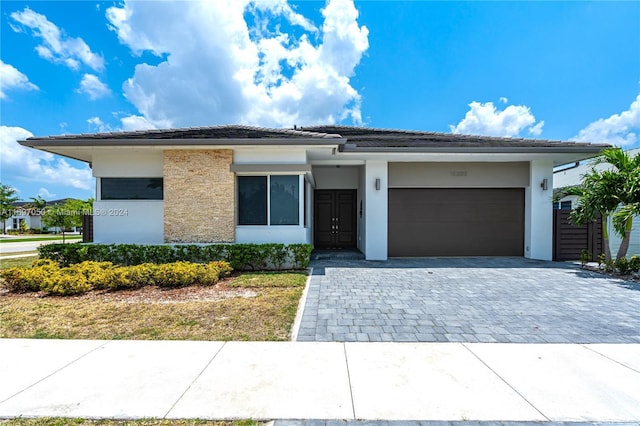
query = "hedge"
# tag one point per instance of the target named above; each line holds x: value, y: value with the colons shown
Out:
x: 240, y: 256
x: 48, y: 276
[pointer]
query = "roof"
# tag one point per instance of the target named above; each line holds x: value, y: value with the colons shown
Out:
x: 194, y: 133
x: 346, y: 138
x: 371, y: 140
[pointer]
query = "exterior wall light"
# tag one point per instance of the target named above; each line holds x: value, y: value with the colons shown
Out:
x: 544, y: 185
x: 377, y: 184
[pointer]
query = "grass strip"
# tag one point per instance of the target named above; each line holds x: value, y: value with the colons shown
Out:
x: 64, y: 421
x: 36, y: 239
x: 17, y: 262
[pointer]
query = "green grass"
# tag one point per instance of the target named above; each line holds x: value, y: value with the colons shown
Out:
x: 261, y: 307
x: 18, y: 262
x: 36, y: 239
x: 270, y: 279
x: 62, y: 421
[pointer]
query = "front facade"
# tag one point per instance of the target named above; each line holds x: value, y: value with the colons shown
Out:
x: 387, y: 193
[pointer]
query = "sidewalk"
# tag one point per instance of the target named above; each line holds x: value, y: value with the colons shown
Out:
x: 294, y: 380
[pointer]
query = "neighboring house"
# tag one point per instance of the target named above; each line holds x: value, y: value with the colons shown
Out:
x: 29, y: 215
x: 390, y: 193
x: 571, y: 175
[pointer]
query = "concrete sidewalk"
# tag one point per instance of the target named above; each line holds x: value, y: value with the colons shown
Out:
x: 295, y: 380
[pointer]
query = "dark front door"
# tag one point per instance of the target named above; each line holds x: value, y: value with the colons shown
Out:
x: 335, y: 218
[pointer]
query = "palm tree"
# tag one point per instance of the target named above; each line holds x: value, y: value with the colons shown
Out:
x: 606, y: 191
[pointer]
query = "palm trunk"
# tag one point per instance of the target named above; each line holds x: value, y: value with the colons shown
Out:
x: 624, y: 245
x: 605, y: 237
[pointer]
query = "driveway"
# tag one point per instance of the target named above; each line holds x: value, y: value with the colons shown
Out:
x: 508, y: 300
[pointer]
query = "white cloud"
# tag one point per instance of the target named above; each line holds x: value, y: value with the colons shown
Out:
x: 30, y: 165
x: 136, y: 122
x: 56, y: 46
x: 217, y: 70
x: 11, y: 78
x: 503, y: 99
x: 44, y: 193
x: 93, y: 87
x: 619, y: 129
x: 486, y: 119
x: 97, y: 125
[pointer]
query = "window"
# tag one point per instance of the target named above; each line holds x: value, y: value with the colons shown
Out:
x: 252, y: 200
x: 564, y: 205
x: 278, y: 206
x: 131, y: 188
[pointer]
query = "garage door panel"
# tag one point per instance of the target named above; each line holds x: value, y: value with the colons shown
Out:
x: 456, y: 222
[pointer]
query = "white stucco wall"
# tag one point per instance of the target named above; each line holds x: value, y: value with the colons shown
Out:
x: 128, y: 222
x: 128, y: 163
x: 332, y: 177
x: 376, y: 210
x: 538, y: 214
x: 284, y: 234
x: 362, y: 220
x: 269, y: 156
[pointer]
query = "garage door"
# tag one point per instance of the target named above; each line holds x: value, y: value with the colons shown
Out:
x: 456, y: 222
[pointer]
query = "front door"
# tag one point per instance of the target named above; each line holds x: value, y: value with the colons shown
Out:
x: 335, y: 218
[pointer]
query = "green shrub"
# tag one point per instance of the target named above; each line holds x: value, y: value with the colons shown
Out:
x: 301, y: 254
x: 241, y: 256
x: 634, y: 264
x: 585, y: 257
x: 623, y: 266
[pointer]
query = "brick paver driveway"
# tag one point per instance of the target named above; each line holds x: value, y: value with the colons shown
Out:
x: 468, y: 300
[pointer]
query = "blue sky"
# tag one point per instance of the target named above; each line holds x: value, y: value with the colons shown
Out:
x: 550, y: 70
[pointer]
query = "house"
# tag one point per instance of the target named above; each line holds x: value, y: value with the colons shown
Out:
x: 571, y: 175
x: 389, y: 193
x: 29, y: 217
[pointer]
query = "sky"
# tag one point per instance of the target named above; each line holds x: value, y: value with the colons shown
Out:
x: 543, y: 69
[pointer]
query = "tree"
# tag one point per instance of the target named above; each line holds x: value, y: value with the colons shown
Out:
x: 614, y: 192
x: 67, y: 215
x: 7, y: 198
x: 38, y: 202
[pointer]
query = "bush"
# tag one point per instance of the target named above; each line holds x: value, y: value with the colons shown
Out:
x: 634, y: 264
x: 65, y: 282
x: 622, y: 265
x: 96, y: 273
x: 241, y: 256
x: 301, y: 254
x: 47, y: 276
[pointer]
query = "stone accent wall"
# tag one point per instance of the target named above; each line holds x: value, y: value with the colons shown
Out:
x: 199, y: 196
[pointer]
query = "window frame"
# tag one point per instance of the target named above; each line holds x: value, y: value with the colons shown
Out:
x: 301, y: 200
x: 100, y: 182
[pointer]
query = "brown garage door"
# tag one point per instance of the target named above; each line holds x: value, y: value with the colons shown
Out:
x: 456, y: 222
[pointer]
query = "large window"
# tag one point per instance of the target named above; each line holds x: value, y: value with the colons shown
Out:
x: 131, y: 189
x: 280, y: 205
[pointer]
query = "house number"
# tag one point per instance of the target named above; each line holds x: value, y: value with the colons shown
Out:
x: 458, y: 173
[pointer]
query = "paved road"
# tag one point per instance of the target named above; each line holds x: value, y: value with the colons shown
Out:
x: 19, y: 247
x: 509, y: 300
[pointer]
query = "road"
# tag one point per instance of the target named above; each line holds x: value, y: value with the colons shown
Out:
x: 27, y: 246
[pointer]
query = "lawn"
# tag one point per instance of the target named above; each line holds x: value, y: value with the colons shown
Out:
x: 18, y: 262
x: 36, y: 239
x: 251, y: 306
x: 142, y: 422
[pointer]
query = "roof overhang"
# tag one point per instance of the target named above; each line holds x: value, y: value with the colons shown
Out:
x: 83, y: 150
